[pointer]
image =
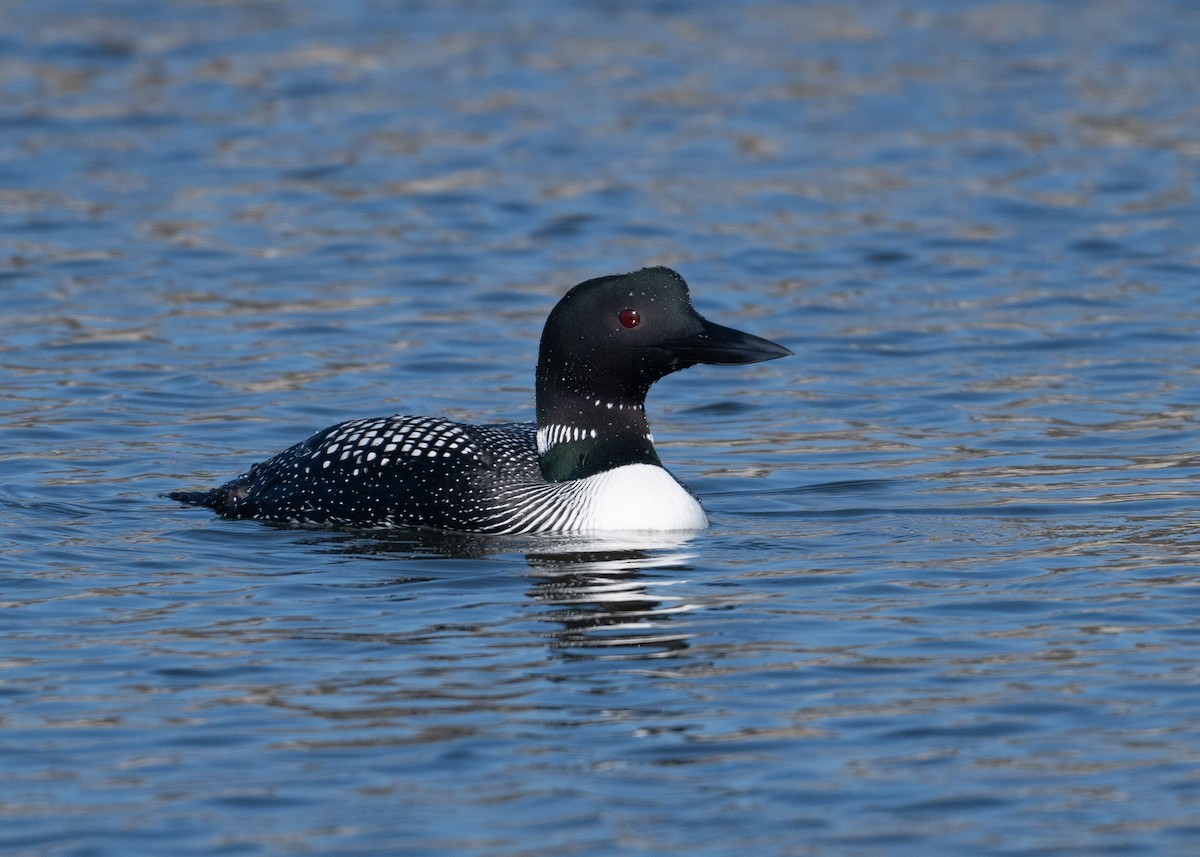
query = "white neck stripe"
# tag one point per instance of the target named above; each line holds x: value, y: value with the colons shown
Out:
x: 552, y: 435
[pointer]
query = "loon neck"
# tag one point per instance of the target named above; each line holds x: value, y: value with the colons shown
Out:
x: 582, y: 435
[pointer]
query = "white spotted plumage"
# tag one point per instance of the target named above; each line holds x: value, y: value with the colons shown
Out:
x: 355, y: 474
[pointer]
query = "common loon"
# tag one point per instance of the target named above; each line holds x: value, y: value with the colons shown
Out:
x: 588, y: 464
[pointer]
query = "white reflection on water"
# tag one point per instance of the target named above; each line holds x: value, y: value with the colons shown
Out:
x: 605, y: 602
x: 609, y: 595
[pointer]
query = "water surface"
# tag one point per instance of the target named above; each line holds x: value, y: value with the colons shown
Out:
x: 948, y: 603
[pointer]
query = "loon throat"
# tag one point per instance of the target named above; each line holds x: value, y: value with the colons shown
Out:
x: 588, y: 464
x: 587, y: 435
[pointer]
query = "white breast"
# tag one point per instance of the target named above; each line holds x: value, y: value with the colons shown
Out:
x: 636, y: 497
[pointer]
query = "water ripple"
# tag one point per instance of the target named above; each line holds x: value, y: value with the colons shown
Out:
x: 946, y: 603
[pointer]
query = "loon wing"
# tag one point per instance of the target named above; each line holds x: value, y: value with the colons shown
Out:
x: 390, y: 471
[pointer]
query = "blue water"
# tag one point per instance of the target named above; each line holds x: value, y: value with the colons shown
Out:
x: 949, y: 601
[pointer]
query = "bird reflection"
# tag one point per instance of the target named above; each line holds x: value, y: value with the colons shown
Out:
x: 607, y: 597
x: 606, y: 606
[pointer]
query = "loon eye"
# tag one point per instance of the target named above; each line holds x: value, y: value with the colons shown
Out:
x: 629, y: 318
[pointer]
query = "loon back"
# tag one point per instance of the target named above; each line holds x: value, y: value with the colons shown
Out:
x: 417, y: 471
x: 589, y: 463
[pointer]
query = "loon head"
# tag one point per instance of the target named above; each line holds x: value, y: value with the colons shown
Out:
x: 605, y: 343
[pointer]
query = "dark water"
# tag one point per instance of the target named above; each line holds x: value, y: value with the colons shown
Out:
x: 949, y: 602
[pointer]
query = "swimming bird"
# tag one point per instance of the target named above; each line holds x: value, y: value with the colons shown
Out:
x: 587, y: 465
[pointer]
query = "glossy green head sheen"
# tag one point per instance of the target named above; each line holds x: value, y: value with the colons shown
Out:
x: 605, y: 343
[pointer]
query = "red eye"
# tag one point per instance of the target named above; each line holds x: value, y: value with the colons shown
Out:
x: 629, y: 318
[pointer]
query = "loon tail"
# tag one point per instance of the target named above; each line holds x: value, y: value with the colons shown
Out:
x: 208, y: 498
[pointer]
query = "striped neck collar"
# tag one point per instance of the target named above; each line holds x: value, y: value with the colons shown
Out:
x: 591, y: 435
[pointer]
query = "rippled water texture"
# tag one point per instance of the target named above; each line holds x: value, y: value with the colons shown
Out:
x: 948, y: 603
